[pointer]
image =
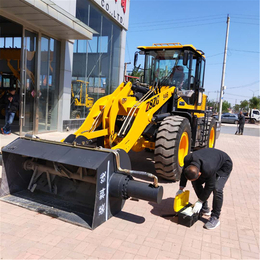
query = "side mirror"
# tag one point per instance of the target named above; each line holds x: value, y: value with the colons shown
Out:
x: 135, y: 58
x: 185, y: 58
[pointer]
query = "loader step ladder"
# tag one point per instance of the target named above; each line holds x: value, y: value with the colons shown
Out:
x: 205, y: 130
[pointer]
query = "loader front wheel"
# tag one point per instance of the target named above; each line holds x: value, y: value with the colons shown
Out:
x: 173, y: 142
x: 211, y: 134
x: 76, y: 114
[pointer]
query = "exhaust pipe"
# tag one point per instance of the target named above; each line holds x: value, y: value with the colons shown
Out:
x: 76, y: 184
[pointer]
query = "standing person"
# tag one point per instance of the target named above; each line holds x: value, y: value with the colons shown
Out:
x: 211, y: 167
x: 11, y: 106
x: 241, y: 123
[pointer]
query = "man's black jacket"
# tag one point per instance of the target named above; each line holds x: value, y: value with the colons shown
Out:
x: 241, y: 119
x: 11, y: 106
x: 210, y: 162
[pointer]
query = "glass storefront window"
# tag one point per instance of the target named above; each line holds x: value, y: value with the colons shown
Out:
x: 2, y: 42
x: 49, y: 84
x: 92, y: 45
x: 82, y: 46
x: 17, y: 42
x: 8, y: 42
x: 95, y: 61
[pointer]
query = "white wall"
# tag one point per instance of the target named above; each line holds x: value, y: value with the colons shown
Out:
x: 65, y: 82
x: 122, y: 56
x: 65, y: 68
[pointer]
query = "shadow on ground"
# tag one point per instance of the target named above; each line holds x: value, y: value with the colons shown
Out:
x: 130, y: 217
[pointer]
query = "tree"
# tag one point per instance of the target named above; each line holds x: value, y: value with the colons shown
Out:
x: 225, y: 106
x: 254, y: 102
x: 244, y: 104
x: 236, y: 108
x: 211, y: 104
x: 136, y: 73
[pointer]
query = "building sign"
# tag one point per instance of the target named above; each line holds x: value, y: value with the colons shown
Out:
x: 117, y: 9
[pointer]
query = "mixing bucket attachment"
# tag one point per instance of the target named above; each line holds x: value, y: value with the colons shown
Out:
x: 77, y: 184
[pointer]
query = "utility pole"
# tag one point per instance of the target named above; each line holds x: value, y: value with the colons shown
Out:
x: 223, y: 72
x: 125, y: 69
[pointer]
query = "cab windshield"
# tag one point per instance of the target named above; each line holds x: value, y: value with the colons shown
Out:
x: 165, y: 67
x: 77, y: 87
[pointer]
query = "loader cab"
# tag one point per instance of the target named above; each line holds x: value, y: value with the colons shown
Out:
x: 176, y: 65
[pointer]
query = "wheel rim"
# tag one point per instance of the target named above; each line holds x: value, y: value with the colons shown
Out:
x: 211, y: 137
x: 78, y: 116
x: 183, y: 148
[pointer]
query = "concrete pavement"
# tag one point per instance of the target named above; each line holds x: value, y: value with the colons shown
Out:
x: 139, y: 231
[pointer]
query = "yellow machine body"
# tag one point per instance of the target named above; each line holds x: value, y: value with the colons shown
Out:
x: 81, y: 101
x: 149, y: 114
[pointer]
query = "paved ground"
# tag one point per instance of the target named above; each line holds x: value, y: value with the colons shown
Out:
x: 139, y: 231
x: 250, y: 129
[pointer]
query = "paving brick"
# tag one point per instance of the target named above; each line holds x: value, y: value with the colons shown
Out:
x: 118, y: 254
x: 23, y: 255
x: 76, y: 255
x: 254, y: 248
x: 62, y: 254
x: 9, y: 253
x: 249, y: 255
x: 21, y: 245
x: 51, y: 239
x: 143, y: 250
x: 167, y: 255
x: 31, y: 256
x: 235, y: 253
x: 129, y: 256
x: 90, y: 249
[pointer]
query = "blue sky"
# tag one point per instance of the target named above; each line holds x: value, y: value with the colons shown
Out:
x: 203, y: 24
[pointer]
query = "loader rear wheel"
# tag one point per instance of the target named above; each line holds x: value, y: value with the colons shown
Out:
x: 211, y: 134
x: 173, y: 142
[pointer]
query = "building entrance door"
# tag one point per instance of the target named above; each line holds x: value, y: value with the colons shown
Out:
x: 28, y: 88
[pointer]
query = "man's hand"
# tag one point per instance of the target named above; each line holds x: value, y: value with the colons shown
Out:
x: 10, y: 99
x: 179, y: 192
x: 197, y: 207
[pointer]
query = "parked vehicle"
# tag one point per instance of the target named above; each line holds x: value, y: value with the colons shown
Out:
x: 228, y: 118
x: 253, y: 116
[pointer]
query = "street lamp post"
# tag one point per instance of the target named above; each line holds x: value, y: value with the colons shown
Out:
x: 254, y: 91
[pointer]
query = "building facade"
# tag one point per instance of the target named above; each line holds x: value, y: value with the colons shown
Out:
x: 60, y: 56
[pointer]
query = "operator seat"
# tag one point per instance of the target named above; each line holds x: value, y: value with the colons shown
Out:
x: 177, y: 76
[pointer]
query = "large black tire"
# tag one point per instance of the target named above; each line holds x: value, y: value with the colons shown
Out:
x: 169, y: 154
x: 76, y: 114
x: 211, y: 135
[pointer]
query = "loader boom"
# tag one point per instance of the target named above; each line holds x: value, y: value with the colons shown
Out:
x: 106, y: 110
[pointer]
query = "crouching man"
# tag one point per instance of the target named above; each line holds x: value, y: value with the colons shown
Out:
x: 212, y: 168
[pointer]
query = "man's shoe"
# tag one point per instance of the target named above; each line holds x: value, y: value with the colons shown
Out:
x: 212, y: 223
x: 7, y: 133
x: 206, y: 211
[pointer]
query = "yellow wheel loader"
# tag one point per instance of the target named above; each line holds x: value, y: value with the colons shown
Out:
x: 80, y: 100
x: 86, y: 178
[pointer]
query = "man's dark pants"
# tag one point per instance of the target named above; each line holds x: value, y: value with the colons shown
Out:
x: 9, y: 118
x: 241, y: 128
x: 217, y: 193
